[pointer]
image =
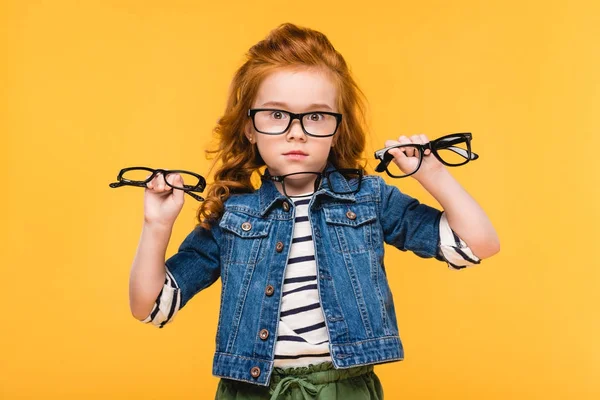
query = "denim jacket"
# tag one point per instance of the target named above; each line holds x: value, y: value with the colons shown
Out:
x: 248, y: 249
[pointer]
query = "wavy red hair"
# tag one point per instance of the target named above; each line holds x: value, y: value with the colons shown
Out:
x: 236, y: 159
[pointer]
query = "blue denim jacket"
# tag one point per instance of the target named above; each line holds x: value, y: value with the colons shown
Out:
x: 245, y: 250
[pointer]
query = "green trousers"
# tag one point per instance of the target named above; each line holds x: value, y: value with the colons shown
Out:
x: 320, y: 381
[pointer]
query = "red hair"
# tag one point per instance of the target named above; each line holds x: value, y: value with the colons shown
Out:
x: 287, y: 46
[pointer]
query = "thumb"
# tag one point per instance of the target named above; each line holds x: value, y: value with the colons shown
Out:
x: 178, y: 194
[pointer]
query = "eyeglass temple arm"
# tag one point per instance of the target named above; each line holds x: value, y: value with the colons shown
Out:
x: 195, y: 196
x: 126, y: 183
x: 385, y: 160
x: 386, y: 157
x: 462, y: 152
x: 187, y: 188
x: 189, y: 191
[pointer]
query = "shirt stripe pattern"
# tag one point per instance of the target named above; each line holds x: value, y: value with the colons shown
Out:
x: 456, y: 252
x: 167, y: 303
x: 302, y: 337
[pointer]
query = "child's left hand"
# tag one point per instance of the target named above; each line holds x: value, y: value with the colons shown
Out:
x: 408, y: 159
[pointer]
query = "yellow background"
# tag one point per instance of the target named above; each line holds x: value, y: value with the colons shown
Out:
x: 89, y: 87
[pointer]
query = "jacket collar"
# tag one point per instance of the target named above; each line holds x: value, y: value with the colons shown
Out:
x: 269, y: 196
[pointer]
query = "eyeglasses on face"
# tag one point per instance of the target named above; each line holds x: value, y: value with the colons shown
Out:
x: 451, y: 150
x: 272, y: 121
x: 140, y: 176
x: 353, y: 178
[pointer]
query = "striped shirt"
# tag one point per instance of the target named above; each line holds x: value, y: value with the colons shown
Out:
x: 302, y: 336
x: 167, y: 302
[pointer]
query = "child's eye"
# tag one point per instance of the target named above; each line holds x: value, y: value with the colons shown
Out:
x: 315, y: 117
x: 278, y: 115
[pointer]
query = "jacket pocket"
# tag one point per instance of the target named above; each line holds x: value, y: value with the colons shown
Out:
x: 350, y: 227
x: 245, y: 237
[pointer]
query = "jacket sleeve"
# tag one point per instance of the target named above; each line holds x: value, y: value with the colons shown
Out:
x: 408, y: 224
x: 194, y: 267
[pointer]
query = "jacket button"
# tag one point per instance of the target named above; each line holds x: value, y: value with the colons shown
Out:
x: 263, y: 334
x: 255, y: 372
x: 350, y: 215
x: 286, y: 206
x: 279, y: 247
x: 246, y: 226
x: 269, y: 290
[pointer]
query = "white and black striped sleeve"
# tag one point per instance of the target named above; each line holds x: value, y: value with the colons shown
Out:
x: 167, y: 303
x: 453, y: 249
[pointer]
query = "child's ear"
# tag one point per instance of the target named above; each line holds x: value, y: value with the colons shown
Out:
x: 248, y: 133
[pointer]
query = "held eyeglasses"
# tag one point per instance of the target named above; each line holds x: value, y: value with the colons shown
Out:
x: 140, y: 176
x: 451, y: 150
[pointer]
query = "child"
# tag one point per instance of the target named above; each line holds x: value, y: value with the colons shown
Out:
x: 306, y: 310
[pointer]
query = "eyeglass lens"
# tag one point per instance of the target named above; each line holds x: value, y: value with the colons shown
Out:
x: 276, y: 122
x: 410, y: 151
x: 453, y: 151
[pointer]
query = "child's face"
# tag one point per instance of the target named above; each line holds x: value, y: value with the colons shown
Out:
x: 297, y: 91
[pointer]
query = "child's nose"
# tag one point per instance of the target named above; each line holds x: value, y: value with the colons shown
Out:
x: 295, y: 131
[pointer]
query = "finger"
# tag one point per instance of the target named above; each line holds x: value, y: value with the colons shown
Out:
x: 398, y: 152
x: 408, y: 151
x: 416, y: 139
x: 176, y: 180
x: 179, y: 180
x: 394, y: 152
x: 160, y: 182
x: 178, y: 194
x: 425, y: 140
x: 389, y: 143
x: 172, y: 180
x: 150, y: 185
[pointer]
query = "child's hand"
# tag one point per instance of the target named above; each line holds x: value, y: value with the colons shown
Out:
x: 408, y: 159
x: 162, y: 203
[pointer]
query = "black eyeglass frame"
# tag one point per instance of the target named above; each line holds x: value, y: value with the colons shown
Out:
x: 446, y: 142
x: 252, y: 112
x: 186, y: 188
x: 320, y: 176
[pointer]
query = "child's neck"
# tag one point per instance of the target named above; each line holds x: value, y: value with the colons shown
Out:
x: 297, y: 187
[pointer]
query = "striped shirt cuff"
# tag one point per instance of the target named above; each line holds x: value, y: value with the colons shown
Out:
x: 167, y: 303
x: 453, y: 249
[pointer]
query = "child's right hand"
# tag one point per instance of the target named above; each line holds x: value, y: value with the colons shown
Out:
x: 162, y: 203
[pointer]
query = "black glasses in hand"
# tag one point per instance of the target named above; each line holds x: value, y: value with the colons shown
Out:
x: 451, y: 150
x: 140, y: 176
x: 353, y: 179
